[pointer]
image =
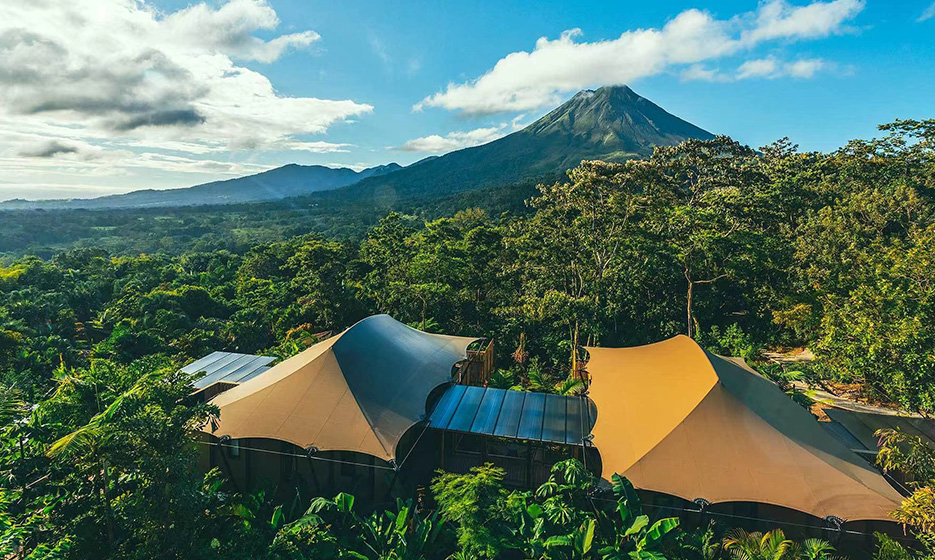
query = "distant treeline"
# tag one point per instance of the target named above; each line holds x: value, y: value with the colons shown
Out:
x: 233, y: 227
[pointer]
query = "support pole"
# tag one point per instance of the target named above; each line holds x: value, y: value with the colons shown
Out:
x: 442, y: 460
x: 389, y: 489
x: 311, y: 465
x: 230, y: 471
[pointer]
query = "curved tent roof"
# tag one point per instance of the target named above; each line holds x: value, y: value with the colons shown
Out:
x: 679, y: 420
x: 357, y: 391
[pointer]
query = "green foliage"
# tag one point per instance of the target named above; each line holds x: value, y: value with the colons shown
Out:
x: 538, y: 378
x: 864, y: 257
x: 106, y: 467
x: 471, y: 502
x: 890, y: 549
x: 906, y: 453
x: 743, y: 249
x: 732, y: 341
x: 911, y: 456
x: 703, y: 543
x: 331, y: 528
x: 309, y: 541
x: 630, y: 532
x: 774, y: 545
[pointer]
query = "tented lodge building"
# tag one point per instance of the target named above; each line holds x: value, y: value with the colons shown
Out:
x: 381, y: 406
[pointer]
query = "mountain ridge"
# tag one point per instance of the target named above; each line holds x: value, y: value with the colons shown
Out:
x: 286, y: 181
x: 611, y: 123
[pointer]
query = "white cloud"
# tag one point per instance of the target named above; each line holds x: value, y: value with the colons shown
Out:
x: 454, y: 140
x: 118, y: 75
x: 768, y: 67
x: 780, y: 20
x: 805, y: 68
x: 928, y: 14
x: 772, y: 68
x: 230, y: 28
x: 702, y: 73
x: 356, y: 166
x: 524, y: 80
x: 758, y: 68
x: 379, y: 49
x: 436, y: 143
x: 113, y: 163
x: 516, y: 123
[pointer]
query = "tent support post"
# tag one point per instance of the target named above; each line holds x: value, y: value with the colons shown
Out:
x: 311, y: 467
x: 247, y: 459
x: 442, y: 449
x: 373, y: 477
x: 230, y: 471
x: 389, y: 489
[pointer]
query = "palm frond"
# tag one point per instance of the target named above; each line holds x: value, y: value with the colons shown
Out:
x: 80, y: 441
x: 569, y: 386
x: 11, y: 405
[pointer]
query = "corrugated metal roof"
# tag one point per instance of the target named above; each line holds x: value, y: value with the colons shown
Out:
x: 514, y: 414
x: 227, y: 367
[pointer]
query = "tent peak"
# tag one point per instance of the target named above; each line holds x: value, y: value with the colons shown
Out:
x: 677, y: 341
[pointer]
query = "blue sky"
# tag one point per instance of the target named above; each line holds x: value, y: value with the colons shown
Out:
x: 103, y: 96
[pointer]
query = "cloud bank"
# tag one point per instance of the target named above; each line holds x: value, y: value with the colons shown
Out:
x: 436, y: 143
x: 100, y: 80
x: 453, y: 140
x: 524, y: 81
x: 764, y: 68
x: 772, y: 68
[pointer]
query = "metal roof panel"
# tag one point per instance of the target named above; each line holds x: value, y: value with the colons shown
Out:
x: 488, y: 412
x: 553, y: 423
x: 467, y: 409
x: 510, y: 413
x: 530, y: 424
x: 446, y: 407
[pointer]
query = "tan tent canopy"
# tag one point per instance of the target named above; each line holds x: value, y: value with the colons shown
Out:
x: 357, y: 391
x: 678, y: 420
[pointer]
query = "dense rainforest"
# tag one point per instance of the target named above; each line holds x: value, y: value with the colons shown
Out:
x: 236, y: 227
x: 742, y: 249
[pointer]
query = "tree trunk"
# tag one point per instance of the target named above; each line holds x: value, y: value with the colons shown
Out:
x: 423, y: 314
x: 688, y: 309
x: 107, y: 505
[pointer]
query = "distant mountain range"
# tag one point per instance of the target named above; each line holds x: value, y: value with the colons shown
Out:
x: 612, y: 123
x: 282, y: 182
